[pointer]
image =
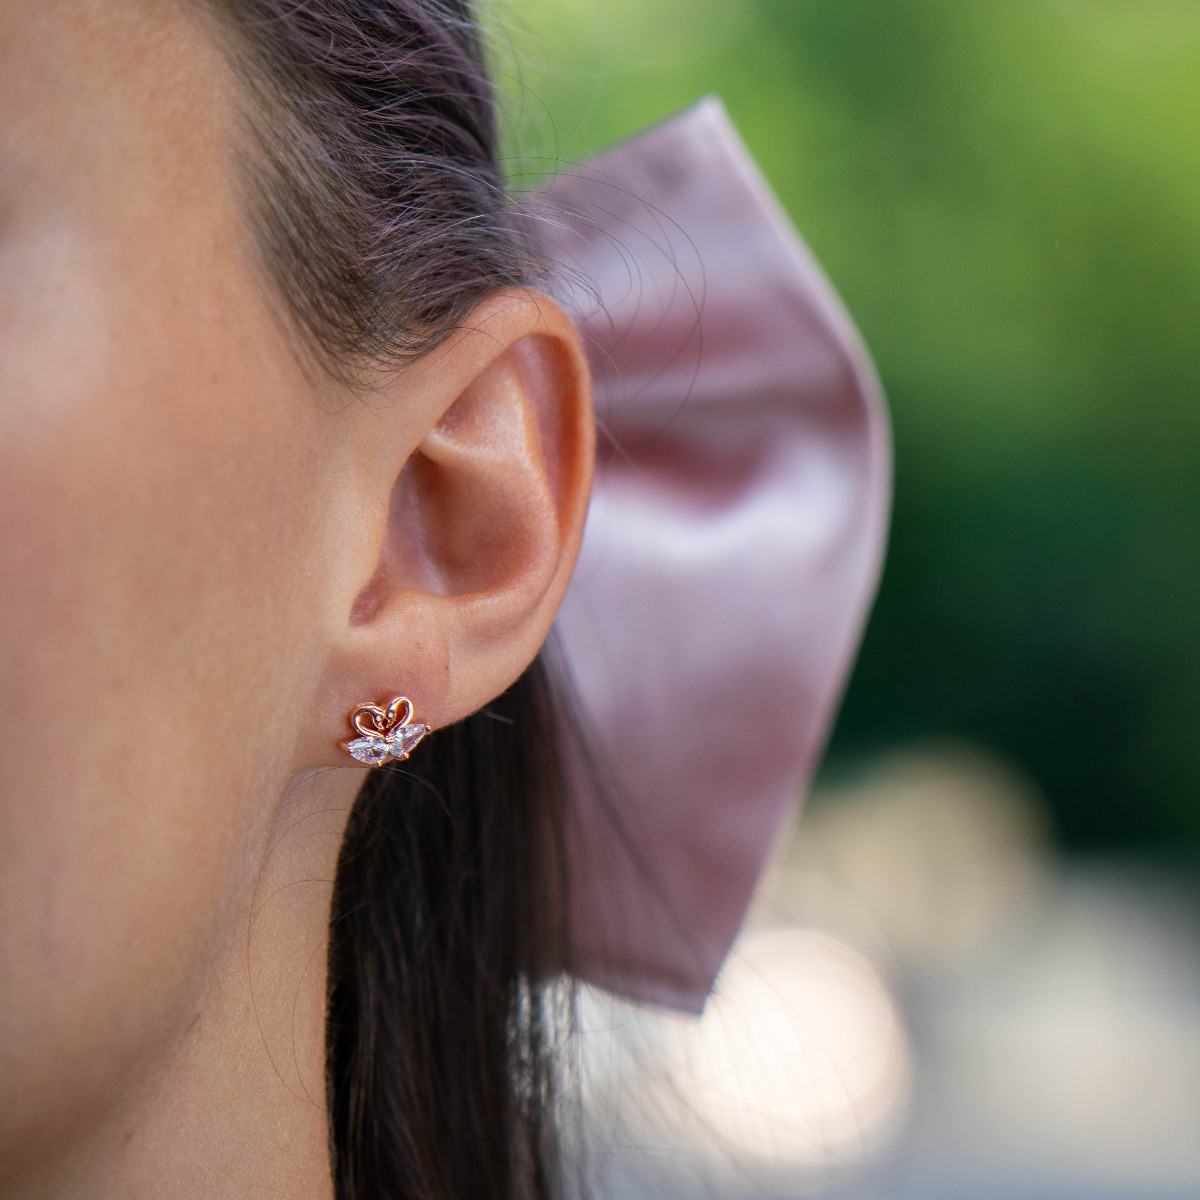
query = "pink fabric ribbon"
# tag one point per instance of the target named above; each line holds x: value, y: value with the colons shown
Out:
x: 732, y: 549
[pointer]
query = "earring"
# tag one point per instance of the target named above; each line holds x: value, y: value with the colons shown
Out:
x: 389, y: 733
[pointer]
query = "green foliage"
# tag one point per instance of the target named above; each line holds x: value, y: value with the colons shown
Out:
x: 1008, y: 197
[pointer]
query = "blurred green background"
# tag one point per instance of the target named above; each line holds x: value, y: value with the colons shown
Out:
x: 1007, y: 195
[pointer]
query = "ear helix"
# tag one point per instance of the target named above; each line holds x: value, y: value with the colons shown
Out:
x: 385, y: 734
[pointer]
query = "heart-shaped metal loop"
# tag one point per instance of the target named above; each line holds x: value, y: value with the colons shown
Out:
x: 370, y: 720
x: 399, y: 712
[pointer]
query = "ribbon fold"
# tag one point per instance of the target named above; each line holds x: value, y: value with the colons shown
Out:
x: 733, y: 543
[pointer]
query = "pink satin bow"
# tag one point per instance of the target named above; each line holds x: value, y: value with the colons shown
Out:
x: 732, y: 549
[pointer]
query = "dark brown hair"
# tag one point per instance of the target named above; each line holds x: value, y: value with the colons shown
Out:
x: 375, y: 197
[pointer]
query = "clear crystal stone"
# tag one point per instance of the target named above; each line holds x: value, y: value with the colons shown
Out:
x: 401, y: 743
x: 369, y: 750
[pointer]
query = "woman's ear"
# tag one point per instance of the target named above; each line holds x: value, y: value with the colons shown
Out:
x: 481, y: 457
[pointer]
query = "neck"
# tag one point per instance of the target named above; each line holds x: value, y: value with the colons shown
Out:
x: 238, y: 1109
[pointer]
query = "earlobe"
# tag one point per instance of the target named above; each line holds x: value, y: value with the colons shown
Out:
x: 485, y: 515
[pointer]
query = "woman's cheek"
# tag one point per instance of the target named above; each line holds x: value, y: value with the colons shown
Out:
x: 152, y: 522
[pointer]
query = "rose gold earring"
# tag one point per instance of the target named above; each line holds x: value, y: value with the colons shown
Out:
x: 386, y: 733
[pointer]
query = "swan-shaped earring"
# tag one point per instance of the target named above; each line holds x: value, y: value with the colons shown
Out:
x: 386, y: 733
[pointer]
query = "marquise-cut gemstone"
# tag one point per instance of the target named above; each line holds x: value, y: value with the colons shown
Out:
x: 369, y: 750
x: 401, y: 742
